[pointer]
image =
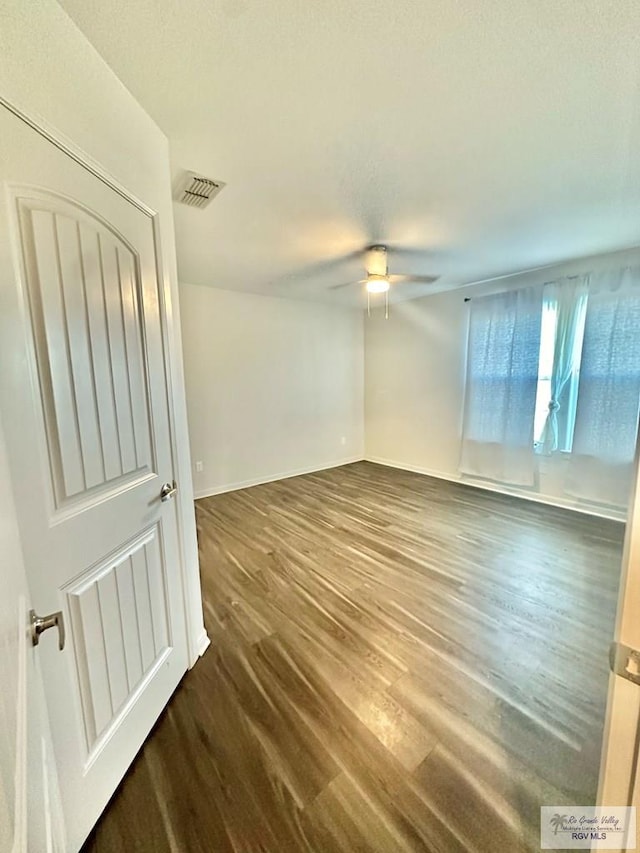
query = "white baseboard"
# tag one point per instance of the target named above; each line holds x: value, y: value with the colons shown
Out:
x: 585, y: 509
x: 203, y: 643
x: 259, y: 481
x: 600, y: 512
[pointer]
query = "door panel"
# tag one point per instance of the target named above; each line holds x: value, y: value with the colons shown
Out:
x: 85, y: 402
x: 85, y: 293
x: 119, y: 622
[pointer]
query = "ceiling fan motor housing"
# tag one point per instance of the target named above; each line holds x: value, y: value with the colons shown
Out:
x: 376, y: 263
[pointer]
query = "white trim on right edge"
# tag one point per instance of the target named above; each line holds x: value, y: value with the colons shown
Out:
x: 272, y: 478
x: 615, y: 515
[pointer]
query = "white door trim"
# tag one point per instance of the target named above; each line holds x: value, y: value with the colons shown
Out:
x: 197, y: 639
x: 76, y: 153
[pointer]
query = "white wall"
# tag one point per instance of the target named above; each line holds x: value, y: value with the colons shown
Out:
x: 414, y: 382
x: 274, y: 386
x: 50, y: 71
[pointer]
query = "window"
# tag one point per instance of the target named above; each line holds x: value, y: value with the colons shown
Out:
x: 556, y: 369
x: 545, y: 369
x: 607, y: 412
x: 601, y: 463
x: 502, y: 369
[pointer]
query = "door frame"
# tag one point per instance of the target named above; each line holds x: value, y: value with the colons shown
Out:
x: 197, y: 638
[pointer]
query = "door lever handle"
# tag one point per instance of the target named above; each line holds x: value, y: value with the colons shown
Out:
x: 40, y: 624
x: 168, y: 491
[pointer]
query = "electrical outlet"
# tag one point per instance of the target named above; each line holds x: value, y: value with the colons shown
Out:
x: 199, y: 467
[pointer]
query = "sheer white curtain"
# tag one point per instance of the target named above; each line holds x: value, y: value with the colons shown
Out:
x: 566, y: 299
x: 502, y: 371
x: 609, y: 392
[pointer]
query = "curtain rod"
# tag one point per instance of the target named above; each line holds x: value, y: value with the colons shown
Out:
x: 552, y: 281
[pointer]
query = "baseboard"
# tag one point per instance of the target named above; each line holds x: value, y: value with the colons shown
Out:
x: 612, y: 514
x: 202, y: 643
x: 259, y: 481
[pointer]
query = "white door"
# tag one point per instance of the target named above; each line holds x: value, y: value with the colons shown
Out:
x: 30, y: 812
x: 620, y: 768
x: 85, y: 406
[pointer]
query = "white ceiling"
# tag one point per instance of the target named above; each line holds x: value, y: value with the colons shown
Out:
x: 480, y: 137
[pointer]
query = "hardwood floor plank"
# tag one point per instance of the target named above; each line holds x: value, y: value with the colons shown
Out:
x: 397, y: 664
x: 357, y: 750
x: 484, y: 823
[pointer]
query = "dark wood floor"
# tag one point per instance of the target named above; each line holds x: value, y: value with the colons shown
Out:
x: 396, y: 663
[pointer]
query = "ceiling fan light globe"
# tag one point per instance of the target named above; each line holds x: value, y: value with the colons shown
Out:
x: 377, y: 284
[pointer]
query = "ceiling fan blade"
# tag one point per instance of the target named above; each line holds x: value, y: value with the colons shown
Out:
x: 412, y: 279
x: 347, y: 284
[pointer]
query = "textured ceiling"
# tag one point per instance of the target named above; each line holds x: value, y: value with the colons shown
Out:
x: 480, y: 138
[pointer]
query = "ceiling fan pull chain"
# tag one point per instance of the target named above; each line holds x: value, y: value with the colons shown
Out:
x: 368, y: 304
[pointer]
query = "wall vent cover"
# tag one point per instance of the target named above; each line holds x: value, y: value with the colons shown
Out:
x: 196, y: 190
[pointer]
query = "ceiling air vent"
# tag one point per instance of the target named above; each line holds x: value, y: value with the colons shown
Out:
x: 196, y: 190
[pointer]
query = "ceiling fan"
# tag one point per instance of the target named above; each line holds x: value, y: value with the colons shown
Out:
x: 379, y: 280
